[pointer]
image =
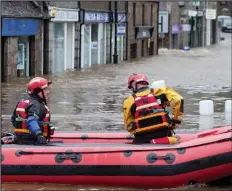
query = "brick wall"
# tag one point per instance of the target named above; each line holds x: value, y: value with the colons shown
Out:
x: 148, y: 20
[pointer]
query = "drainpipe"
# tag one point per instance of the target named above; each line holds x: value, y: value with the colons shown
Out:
x: 197, y: 26
x: 203, y: 23
x: 157, y: 40
x: 43, y: 41
x: 111, y: 29
x: 81, y: 11
x: 127, y: 4
x: 115, y: 32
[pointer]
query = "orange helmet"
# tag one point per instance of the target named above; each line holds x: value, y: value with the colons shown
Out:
x: 37, y: 84
x: 137, y: 78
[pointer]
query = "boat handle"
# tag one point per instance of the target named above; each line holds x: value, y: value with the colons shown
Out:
x: 75, y: 157
x: 168, y: 158
x: 160, y: 157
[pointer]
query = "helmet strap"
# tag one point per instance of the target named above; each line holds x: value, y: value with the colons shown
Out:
x: 134, y: 89
x: 44, y: 97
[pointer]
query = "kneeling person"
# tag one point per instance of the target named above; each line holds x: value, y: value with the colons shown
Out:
x: 145, y: 114
x: 31, y: 118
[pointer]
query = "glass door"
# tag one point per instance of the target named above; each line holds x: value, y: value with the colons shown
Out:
x: 21, y: 59
x: 94, y: 42
x: 58, y: 47
x: 23, y: 56
x: 86, y: 50
x: 70, y: 46
x: 120, y: 47
x: 102, y: 38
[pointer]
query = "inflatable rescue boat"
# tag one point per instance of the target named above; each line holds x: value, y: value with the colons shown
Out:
x: 202, y: 159
x: 125, y: 137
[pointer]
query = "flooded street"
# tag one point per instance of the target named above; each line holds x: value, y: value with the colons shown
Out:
x: 92, y: 99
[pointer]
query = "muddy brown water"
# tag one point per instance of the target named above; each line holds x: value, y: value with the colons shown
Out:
x: 91, y: 99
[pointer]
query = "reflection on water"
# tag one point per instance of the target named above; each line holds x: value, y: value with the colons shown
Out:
x: 206, y: 122
x: 228, y: 118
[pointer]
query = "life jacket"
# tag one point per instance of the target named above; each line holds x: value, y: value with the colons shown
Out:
x: 21, y: 116
x: 149, y: 114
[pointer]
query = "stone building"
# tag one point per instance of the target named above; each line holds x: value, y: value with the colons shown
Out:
x: 142, y: 29
x: 21, y: 39
x: 82, y: 35
x: 50, y: 37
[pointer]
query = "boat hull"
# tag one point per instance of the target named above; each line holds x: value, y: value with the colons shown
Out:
x: 199, y: 160
x: 145, y: 182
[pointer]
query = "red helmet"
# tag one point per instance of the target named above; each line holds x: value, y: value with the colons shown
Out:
x: 137, y: 78
x: 37, y: 84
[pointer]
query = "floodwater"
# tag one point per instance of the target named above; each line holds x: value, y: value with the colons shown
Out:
x: 91, y: 99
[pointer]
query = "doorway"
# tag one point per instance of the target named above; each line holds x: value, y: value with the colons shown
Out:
x: 94, y: 42
x: 23, y: 57
x: 58, y: 48
x: 86, y: 46
x: 213, y: 31
x: 102, y: 37
x: 70, y: 46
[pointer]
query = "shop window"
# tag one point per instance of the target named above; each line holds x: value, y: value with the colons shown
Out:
x: 59, y: 48
x: 94, y: 45
x: 94, y: 33
x: 23, y: 56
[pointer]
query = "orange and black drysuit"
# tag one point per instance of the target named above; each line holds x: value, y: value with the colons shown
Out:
x: 30, y: 118
x: 146, y: 117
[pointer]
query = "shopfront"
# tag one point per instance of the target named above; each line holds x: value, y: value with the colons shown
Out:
x: 63, y: 33
x: 97, y: 38
x: 121, y: 37
x: 18, y: 35
x: 93, y: 40
x: 196, y: 32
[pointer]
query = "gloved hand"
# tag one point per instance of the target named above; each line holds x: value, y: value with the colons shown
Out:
x: 41, y: 140
x: 174, y: 124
